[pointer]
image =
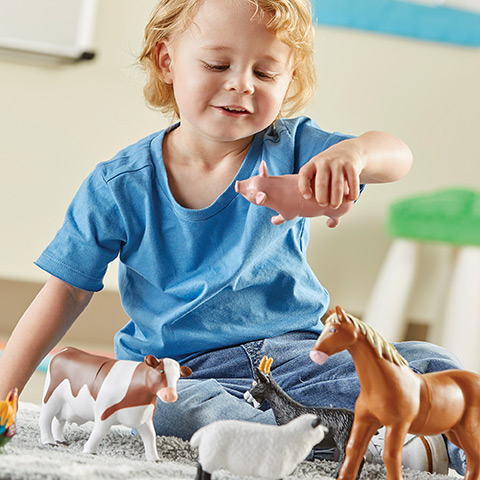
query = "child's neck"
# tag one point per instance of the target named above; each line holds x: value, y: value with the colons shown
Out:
x: 198, y: 173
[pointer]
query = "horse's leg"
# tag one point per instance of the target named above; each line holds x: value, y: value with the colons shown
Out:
x: 341, y: 438
x: 364, y: 426
x: 392, y: 455
x: 473, y: 464
x: 452, y: 436
x: 469, y: 442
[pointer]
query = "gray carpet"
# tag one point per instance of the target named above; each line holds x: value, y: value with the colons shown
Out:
x: 121, y: 456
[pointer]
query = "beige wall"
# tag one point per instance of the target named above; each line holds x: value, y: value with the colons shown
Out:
x: 58, y: 121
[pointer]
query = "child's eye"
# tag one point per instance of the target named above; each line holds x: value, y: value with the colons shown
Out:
x: 265, y: 75
x: 215, y: 67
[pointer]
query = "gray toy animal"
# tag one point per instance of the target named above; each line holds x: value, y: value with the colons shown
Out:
x: 337, y: 420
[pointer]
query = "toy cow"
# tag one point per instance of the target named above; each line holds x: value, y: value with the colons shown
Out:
x: 81, y: 387
x: 282, y: 194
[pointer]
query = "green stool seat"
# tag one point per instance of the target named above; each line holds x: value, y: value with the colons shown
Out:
x: 451, y: 216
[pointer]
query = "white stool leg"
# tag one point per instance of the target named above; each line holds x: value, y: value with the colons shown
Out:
x: 439, y: 277
x: 385, y: 311
x: 461, y: 332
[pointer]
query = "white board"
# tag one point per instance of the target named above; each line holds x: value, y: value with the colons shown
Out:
x: 62, y: 28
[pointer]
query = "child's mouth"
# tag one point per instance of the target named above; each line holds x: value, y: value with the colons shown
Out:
x: 234, y: 110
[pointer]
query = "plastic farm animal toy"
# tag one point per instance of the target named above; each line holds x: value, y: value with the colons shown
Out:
x: 81, y: 387
x: 281, y: 193
x: 8, y: 413
x: 337, y: 420
x: 255, y: 449
x: 391, y: 394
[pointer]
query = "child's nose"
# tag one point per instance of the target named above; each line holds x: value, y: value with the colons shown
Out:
x: 241, y: 82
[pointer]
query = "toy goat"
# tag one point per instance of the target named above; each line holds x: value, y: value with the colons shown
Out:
x: 81, y: 387
x: 8, y: 413
x: 281, y: 193
x: 338, y: 420
x: 255, y: 449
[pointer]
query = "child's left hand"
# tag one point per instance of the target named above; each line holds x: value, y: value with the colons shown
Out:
x: 333, y: 176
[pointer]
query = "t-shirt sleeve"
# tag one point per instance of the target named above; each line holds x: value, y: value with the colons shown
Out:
x: 90, y: 238
x: 310, y: 140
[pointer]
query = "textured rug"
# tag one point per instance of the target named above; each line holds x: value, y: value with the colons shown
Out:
x: 121, y: 455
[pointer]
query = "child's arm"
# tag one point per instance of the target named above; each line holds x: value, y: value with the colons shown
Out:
x: 41, y: 327
x: 374, y: 157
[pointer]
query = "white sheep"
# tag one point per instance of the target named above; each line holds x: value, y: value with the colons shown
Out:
x: 255, y: 449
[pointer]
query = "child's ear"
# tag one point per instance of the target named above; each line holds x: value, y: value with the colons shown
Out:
x: 292, y: 78
x: 164, y: 62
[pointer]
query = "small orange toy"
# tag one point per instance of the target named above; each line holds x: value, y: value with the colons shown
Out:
x: 391, y: 394
x: 8, y: 413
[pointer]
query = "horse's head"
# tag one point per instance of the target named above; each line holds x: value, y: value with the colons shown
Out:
x: 338, y: 334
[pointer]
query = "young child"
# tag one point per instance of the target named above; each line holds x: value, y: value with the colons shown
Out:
x: 204, y: 275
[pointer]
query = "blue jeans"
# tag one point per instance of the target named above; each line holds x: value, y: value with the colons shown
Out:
x: 220, y: 378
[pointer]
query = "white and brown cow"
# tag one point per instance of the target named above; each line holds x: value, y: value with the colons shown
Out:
x: 81, y: 387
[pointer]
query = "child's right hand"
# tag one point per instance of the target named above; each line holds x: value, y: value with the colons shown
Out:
x: 333, y: 176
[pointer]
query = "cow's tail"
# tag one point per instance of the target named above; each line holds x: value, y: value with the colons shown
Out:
x: 48, y: 377
x: 46, y: 385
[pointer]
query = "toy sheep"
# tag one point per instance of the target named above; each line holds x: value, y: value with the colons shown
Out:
x: 255, y: 449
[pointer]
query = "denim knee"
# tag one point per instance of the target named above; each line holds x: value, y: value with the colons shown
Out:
x: 201, y: 402
x: 424, y: 357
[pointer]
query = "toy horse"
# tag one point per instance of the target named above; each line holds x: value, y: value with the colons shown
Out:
x: 391, y: 394
x: 8, y: 413
x: 338, y: 420
x: 281, y: 193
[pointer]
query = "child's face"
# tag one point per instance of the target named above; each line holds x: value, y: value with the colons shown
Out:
x: 230, y: 75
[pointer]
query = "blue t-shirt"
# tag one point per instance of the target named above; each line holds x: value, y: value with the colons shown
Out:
x: 192, y: 281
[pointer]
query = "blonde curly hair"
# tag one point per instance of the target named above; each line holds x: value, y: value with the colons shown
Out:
x: 291, y: 21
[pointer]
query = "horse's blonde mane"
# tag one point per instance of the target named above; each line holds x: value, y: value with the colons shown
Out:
x: 384, y: 349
